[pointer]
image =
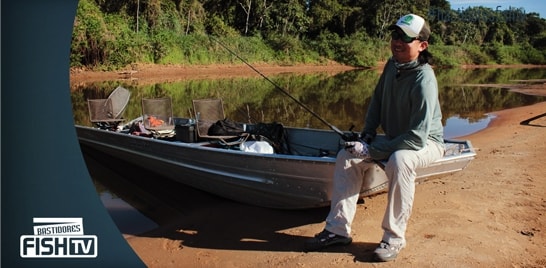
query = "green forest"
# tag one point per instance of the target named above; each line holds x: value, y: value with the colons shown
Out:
x: 112, y: 34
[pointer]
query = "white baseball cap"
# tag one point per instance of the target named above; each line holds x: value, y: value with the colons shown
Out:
x: 413, y: 26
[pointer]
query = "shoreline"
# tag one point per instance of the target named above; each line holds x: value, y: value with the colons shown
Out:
x: 497, y: 200
x: 157, y: 73
x: 152, y: 73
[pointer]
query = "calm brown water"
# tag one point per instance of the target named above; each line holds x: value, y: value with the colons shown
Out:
x: 341, y: 100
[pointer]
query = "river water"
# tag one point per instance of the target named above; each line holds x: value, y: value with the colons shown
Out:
x: 340, y: 100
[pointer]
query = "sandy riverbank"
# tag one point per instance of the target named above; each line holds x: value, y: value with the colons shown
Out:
x: 146, y: 74
x: 492, y: 214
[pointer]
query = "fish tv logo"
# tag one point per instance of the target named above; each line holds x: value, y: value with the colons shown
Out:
x: 58, y: 238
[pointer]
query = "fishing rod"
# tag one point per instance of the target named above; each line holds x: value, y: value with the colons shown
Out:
x: 344, y: 136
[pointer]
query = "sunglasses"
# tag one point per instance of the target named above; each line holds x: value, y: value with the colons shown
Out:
x: 395, y: 35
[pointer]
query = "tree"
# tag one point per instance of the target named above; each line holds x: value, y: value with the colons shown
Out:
x: 263, y: 12
x: 193, y: 15
x: 321, y: 15
x: 247, y: 7
x: 387, y: 13
x: 288, y: 17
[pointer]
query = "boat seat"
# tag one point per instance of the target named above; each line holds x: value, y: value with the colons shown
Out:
x: 157, y: 116
x: 106, y: 113
x: 119, y: 99
x: 208, y: 112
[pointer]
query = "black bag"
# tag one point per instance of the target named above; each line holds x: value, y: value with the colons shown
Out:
x: 273, y: 133
x: 225, y: 127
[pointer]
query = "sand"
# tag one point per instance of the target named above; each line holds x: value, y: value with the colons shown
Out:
x: 492, y: 214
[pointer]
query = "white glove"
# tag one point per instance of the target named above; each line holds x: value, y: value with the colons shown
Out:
x: 358, y: 149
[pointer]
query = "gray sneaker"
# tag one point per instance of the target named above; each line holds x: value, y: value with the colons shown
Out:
x: 387, y: 252
x: 325, y: 239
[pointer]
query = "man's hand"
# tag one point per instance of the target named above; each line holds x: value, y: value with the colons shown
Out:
x: 358, y: 149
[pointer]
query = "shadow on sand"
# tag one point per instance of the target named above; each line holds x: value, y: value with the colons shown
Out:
x: 200, y: 220
x: 527, y: 122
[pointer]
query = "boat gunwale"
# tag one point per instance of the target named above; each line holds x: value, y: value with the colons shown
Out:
x: 468, y: 154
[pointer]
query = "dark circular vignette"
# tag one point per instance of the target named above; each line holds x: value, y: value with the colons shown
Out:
x: 43, y: 172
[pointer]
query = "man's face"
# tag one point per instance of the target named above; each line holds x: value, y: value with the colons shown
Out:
x: 404, y: 48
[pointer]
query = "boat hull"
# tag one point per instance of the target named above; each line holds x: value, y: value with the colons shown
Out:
x: 297, y: 181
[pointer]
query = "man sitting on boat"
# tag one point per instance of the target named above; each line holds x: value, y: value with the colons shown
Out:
x: 405, y: 105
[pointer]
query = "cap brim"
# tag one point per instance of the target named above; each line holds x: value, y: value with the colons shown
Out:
x: 408, y: 31
x: 396, y: 27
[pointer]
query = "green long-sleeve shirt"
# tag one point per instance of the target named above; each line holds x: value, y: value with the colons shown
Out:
x: 405, y: 104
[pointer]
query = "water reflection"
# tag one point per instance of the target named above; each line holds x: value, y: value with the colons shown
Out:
x: 458, y: 127
x: 127, y: 218
x: 341, y: 100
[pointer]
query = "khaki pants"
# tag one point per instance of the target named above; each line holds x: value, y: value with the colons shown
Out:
x: 400, y: 170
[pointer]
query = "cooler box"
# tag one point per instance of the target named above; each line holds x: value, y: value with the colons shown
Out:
x: 184, y: 129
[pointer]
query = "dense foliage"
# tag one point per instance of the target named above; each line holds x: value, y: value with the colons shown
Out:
x: 115, y: 33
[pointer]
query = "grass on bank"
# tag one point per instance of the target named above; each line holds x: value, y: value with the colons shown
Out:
x: 357, y: 51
